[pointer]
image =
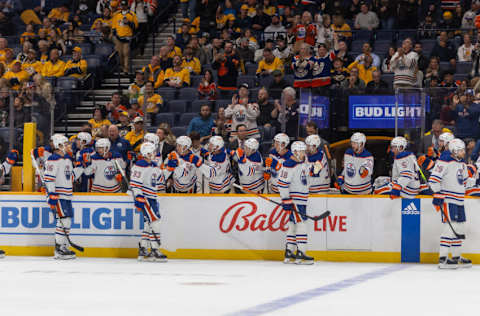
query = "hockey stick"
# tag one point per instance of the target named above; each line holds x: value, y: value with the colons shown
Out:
x: 313, y: 218
x: 67, y: 235
x: 444, y: 213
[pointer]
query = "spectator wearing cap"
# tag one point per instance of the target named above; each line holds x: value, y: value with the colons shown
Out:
x: 376, y: 85
x: 191, y: 63
x: 269, y: 63
x: 124, y: 126
x: 15, y: 77
x: 55, y: 67
x: 135, y: 136
x: 177, y: 76
x: 243, y: 21
x: 283, y: 51
x: 98, y: 120
x: 207, y: 89
x: 367, y: 50
x: 172, y: 49
x: 365, y: 70
x: 277, y: 85
x: 150, y: 102
x: 242, y: 112
x: 464, y: 52
x: 444, y: 50
x: 76, y: 67
x: 366, y: 19
x: 124, y: 25
x: 137, y: 88
x: 275, y: 28
x: 152, y: 70
x: 203, y: 123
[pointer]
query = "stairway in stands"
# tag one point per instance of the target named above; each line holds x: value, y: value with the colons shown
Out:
x: 111, y: 83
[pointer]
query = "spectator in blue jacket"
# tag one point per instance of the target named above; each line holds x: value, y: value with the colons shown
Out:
x: 202, y: 124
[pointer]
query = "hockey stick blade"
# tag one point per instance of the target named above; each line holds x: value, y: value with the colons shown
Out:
x: 321, y: 216
x: 79, y: 248
x: 459, y: 236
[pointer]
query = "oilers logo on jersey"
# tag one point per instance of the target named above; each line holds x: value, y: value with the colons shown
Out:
x: 154, y: 179
x: 240, y: 116
x: 350, y: 168
x: 109, y: 172
x: 68, y: 173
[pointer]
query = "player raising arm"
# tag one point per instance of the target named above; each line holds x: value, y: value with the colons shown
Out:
x: 220, y: 176
x: 277, y: 155
x: 319, y: 182
x: 250, y: 165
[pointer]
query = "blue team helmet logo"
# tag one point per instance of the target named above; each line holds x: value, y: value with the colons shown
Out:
x: 350, y: 169
x: 110, y: 172
x: 460, y: 176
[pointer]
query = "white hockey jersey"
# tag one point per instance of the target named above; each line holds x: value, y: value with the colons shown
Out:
x: 280, y: 160
x: 5, y: 168
x: 105, y: 173
x: 319, y: 183
x: 250, y: 171
x: 59, y: 176
x: 145, y: 179
x: 293, y: 181
x: 355, y: 182
x: 220, y: 175
x: 405, y: 174
x: 185, y: 174
x: 448, y: 178
x: 162, y: 185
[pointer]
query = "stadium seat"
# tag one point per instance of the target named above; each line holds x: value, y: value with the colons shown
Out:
x: 178, y: 106
x: 381, y: 47
x: 167, y: 93
x: 362, y: 35
x: 189, y: 94
x: 226, y: 94
x: 250, y: 80
x: 384, y: 35
x: 403, y: 34
x: 185, y: 118
x: 103, y: 50
x: 168, y: 118
x: 253, y: 93
x: 265, y: 81
x: 195, y: 81
x: 197, y: 104
x: 357, y: 46
x: 222, y: 103
x: 5, y: 134
x: 86, y: 48
x: 445, y: 65
x: 289, y: 79
x: 67, y: 83
x: 427, y: 46
x: 464, y: 67
x: 460, y: 77
x: 251, y: 69
x: 179, y: 130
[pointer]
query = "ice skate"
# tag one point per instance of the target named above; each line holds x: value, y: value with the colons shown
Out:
x: 302, y: 258
x: 289, y: 256
x: 2, y: 254
x: 463, y: 262
x: 447, y: 263
x: 143, y: 253
x: 157, y: 256
x: 63, y: 253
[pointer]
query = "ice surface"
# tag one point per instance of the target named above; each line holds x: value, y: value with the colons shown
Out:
x: 87, y: 286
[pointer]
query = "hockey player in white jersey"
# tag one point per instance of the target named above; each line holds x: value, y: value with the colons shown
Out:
x: 319, y: 182
x: 405, y: 182
x: 5, y: 168
x: 84, y: 152
x: 447, y: 181
x: 102, y: 166
x: 250, y: 166
x: 182, y: 164
x: 220, y: 176
x: 356, y: 176
x: 153, y: 139
x: 59, y: 176
x: 277, y: 155
x: 144, y: 176
x: 293, y: 187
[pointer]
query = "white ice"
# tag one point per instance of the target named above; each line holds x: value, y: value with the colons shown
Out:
x: 86, y: 286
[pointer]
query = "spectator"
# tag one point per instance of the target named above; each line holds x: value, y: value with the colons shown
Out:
x: 172, y: 49
x: 465, y: 119
x: 114, y: 107
x: 341, y: 28
x: 241, y: 136
x: 202, y: 124
x: 353, y: 9
x: 367, y: 50
x: 323, y: 64
x: 207, y: 89
x: 366, y: 20
x: 124, y: 25
x: 227, y: 72
x: 21, y: 115
x: 259, y: 52
x: 407, y: 14
x: 354, y: 84
x: 165, y: 61
x: 177, y: 76
x: 16, y: 76
x: 135, y: 136
x: 105, y: 19
x: 124, y: 126
x: 464, y: 52
x: 288, y: 116
x: 164, y: 148
x: 59, y: 15
x: 305, y: 31
x: 242, y: 112
x: 153, y: 104
x: 198, y: 51
x: 448, y: 114
x: 31, y: 64
x: 268, y: 112
x: 269, y: 63
x: 377, y: 85
x: 404, y: 65
x: 98, y: 120
x: 243, y: 21
x: 23, y: 55
x: 365, y: 70
x: 433, y: 69
x: 152, y: 70
x: 422, y: 61
x: 143, y: 10
x: 277, y: 85
x: 9, y: 59
x: 57, y: 42
x: 468, y: 20
x: 325, y: 32
x: 430, y: 140
x: 343, y: 53
x: 44, y: 51
x: 135, y: 109
x: 216, y: 47
x: 260, y: 21
x: 76, y: 67
x: 54, y: 67
x: 137, y: 88
x: 443, y: 50
x: 268, y: 8
x: 386, y: 12
x: 427, y: 27
x: 191, y: 63
x: 44, y: 89
x: 275, y: 28
x: 448, y: 80
x: 386, y: 66
x: 118, y: 143
x: 339, y: 73
x: 183, y: 38
x: 283, y: 51
x: 29, y: 35
x: 244, y: 51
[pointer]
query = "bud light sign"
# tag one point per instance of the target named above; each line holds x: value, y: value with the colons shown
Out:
x: 379, y: 111
x: 313, y: 108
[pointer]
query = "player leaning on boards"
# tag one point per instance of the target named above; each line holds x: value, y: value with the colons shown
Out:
x: 293, y: 187
x: 447, y: 181
x: 250, y: 166
x: 317, y: 159
x: 144, y: 182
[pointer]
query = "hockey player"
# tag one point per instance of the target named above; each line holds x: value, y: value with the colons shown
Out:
x: 7, y: 165
x: 106, y: 176
x: 356, y: 177
x: 427, y: 162
x: 317, y: 160
x: 447, y: 181
x: 293, y: 187
x: 85, y: 149
x: 250, y: 166
x: 220, y: 176
x: 144, y: 176
x: 279, y: 154
x: 153, y: 138
x: 59, y: 177
x: 41, y: 155
x: 182, y: 164
x: 405, y: 181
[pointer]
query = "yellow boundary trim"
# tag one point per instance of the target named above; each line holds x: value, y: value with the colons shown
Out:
x: 345, y: 141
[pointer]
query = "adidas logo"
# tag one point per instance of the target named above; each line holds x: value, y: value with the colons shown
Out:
x: 410, y: 209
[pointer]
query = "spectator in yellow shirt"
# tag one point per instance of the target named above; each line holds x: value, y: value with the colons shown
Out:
x: 3, y: 47
x: 160, y: 78
x: 124, y: 24
x: 59, y: 14
x: 44, y: 51
x: 98, y: 120
x: 172, y: 49
x: 153, y: 102
x: 29, y: 34
x: 16, y: 76
x: 269, y: 63
x: 365, y: 70
x: 341, y: 27
x: 76, y: 67
x: 106, y: 18
x: 152, y: 70
x: 55, y: 67
x: 9, y: 59
x: 135, y: 136
x: 31, y: 64
x: 191, y: 63
x: 177, y: 77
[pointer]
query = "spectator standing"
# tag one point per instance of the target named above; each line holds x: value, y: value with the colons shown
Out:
x: 143, y: 10
x: 202, y: 124
x: 260, y: 21
x: 302, y: 65
x: 227, y: 72
x: 464, y: 52
x: 465, y: 117
x: 207, y: 89
x: 339, y: 73
x: 306, y: 31
x: 151, y: 102
x: 431, y: 138
x: 164, y: 148
x: 283, y: 51
x: 444, y: 50
x: 124, y: 25
x: 135, y: 136
x: 277, y: 85
x: 386, y: 12
x: 242, y: 112
x: 275, y: 28
x: 268, y: 112
x: 21, y: 115
x: 422, y: 62
x: 366, y: 19
x: 386, y: 66
x: 244, y: 51
x: 404, y: 65
x: 288, y: 116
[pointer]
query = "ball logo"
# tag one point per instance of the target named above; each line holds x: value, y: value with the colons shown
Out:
x: 109, y: 172
x: 460, y: 176
x: 350, y: 168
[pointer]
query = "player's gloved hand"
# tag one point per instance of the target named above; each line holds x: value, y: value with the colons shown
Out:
x: 53, y: 199
x: 12, y: 156
x: 267, y: 176
x: 317, y: 167
x: 241, y: 155
x: 395, y: 191
x: 472, y: 170
x: 438, y: 200
x: 118, y: 177
x: 86, y: 158
x: 339, y: 183
x: 363, y: 171
x: 38, y: 152
x: 268, y: 162
x: 287, y: 205
x: 196, y: 160
x: 140, y: 202
x: 172, y: 161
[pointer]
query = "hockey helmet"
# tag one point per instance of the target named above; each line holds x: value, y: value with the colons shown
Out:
x: 183, y: 144
x: 456, y: 146
x: 151, y: 138
x: 446, y: 138
x: 84, y: 138
x: 215, y: 143
x: 282, y: 138
x: 297, y: 148
x: 60, y: 142
x: 400, y: 143
x: 103, y: 143
x: 147, y: 150
x: 252, y: 144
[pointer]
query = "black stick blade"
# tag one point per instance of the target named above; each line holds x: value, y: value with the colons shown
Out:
x: 321, y: 216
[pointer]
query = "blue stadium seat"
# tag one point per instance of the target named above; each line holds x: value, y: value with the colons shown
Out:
x: 167, y: 93
x: 178, y: 106
x: 222, y: 103
x: 103, y: 50
x: 250, y: 80
x: 67, y: 83
x: 460, y: 77
x: 5, y: 133
x: 251, y: 69
x: 185, y: 118
x: 179, y: 130
x: 189, y: 94
x: 265, y: 81
x: 362, y: 35
x: 86, y: 48
x: 195, y: 81
x: 197, y: 104
x: 445, y: 65
x: 357, y: 46
x: 381, y: 47
x: 168, y: 118
x: 384, y: 35
x: 464, y: 67
x: 289, y: 79
x: 427, y: 46
x: 403, y: 34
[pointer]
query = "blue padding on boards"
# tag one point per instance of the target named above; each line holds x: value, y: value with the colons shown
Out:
x: 410, y: 230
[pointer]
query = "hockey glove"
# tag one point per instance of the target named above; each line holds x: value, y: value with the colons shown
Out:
x: 395, y: 191
x: 12, y: 156
x: 317, y: 167
x: 438, y: 200
x: 172, y: 164
x: 266, y: 176
x: 118, y: 177
x: 339, y: 183
x: 53, y: 199
x: 140, y: 202
x: 363, y: 172
x: 240, y: 153
x: 287, y: 204
x: 196, y: 160
x: 86, y: 159
x: 268, y: 162
x: 131, y: 156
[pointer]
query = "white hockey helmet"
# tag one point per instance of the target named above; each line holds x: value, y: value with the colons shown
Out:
x: 359, y: 138
x: 313, y: 140
x: 147, y: 150
x: 252, y: 144
x: 84, y: 138
x: 282, y: 138
x: 103, y: 143
x: 400, y: 142
x: 151, y: 138
x: 184, y: 142
x: 446, y: 138
x: 216, y: 142
x: 297, y: 148
x: 60, y: 142
x: 456, y: 145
